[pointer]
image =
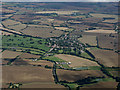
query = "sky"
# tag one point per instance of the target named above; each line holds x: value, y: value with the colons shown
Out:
x: 60, y: 0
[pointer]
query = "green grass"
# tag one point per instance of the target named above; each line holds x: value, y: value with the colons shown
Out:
x: 65, y: 66
x: 34, y: 52
x: 94, y: 48
x: 73, y: 86
x: 56, y: 59
x: 86, y: 55
x: 94, y: 67
x: 27, y: 42
x: 60, y: 51
x: 108, y: 79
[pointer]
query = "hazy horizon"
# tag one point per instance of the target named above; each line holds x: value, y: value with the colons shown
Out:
x: 60, y: 0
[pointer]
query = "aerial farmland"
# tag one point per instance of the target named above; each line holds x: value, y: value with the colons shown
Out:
x: 71, y: 46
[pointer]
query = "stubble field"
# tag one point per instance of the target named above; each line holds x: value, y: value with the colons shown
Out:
x: 76, y: 61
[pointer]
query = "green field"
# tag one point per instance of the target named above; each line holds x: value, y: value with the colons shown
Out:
x: 23, y: 41
x: 52, y: 58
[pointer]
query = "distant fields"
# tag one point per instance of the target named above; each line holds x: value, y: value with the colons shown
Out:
x: 110, y: 21
x: 58, y: 12
x: 59, y: 45
x: 42, y: 32
x: 101, y: 31
x: 63, y: 28
x: 11, y: 24
x: 103, y: 15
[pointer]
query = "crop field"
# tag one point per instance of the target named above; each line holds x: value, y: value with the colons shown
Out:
x: 106, y: 26
x: 19, y: 61
x: 115, y: 73
x: 10, y: 54
x: 17, y: 27
x: 39, y: 26
x: 110, y: 21
x: 88, y: 39
x: 27, y: 56
x: 26, y: 74
x: 48, y: 85
x: 92, y: 19
x: 100, y: 85
x: 101, y: 31
x: 74, y: 17
x: 104, y: 15
x: 4, y: 62
x: 74, y: 22
x: 58, y: 12
x: 58, y: 21
x: 63, y: 28
x: 31, y: 62
x: 11, y: 31
x: 7, y: 11
x: 80, y: 27
x: 72, y: 76
x: 11, y: 24
x: 21, y: 18
x: 76, y: 61
x: 42, y: 32
x: 106, y: 57
x: 107, y: 41
x: 6, y: 16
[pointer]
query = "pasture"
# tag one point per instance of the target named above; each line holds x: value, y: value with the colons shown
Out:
x: 23, y: 41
